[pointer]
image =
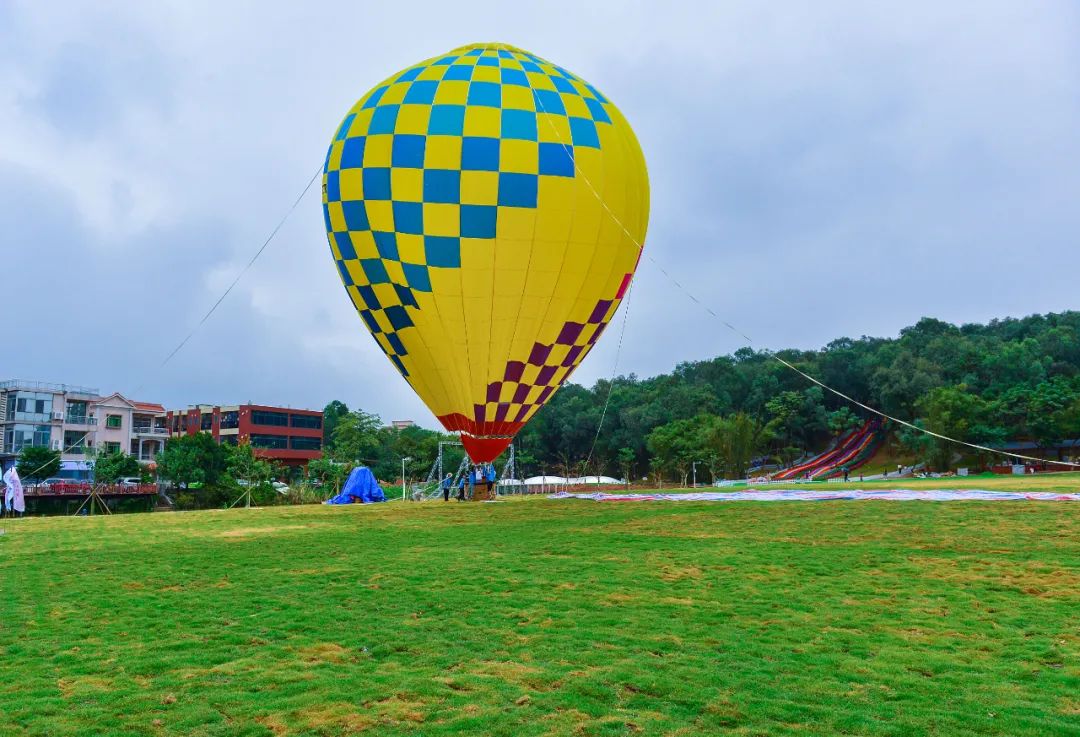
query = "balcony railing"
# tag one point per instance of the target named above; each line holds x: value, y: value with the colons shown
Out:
x: 47, y: 387
x: 38, y: 418
x: 148, y: 430
x: 80, y: 420
x: 17, y: 447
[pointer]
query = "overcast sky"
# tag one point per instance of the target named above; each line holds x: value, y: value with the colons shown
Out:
x: 817, y: 170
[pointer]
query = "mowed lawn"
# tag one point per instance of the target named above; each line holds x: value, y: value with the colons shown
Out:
x: 537, y: 617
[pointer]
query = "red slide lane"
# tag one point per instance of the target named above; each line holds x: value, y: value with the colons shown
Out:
x: 847, y: 448
x: 847, y: 457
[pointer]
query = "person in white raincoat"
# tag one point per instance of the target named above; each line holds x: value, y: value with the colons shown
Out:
x: 13, y: 494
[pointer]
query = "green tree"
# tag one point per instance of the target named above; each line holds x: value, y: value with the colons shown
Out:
x: 900, y: 378
x: 1051, y: 416
x: 784, y: 409
x: 666, y: 444
x: 243, y: 465
x: 736, y: 440
x: 626, y: 460
x: 114, y: 465
x: 356, y: 438
x: 37, y: 462
x: 330, y: 474
x: 920, y: 445
x: 527, y: 463
x: 955, y: 412
x: 677, y: 444
x: 190, y: 459
x: 332, y: 415
x: 417, y: 444
x: 842, y: 420
x: 247, y: 470
x: 796, y: 416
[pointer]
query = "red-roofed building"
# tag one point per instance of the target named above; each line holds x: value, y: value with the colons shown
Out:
x: 289, y: 436
x: 148, y: 432
x: 130, y: 426
x: 77, y: 421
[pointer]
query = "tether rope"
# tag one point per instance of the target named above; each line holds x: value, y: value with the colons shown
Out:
x: 618, y: 221
x: 239, y: 276
x: 220, y: 299
x: 614, y: 373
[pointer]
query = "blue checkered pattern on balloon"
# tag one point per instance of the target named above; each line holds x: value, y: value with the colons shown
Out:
x: 460, y: 116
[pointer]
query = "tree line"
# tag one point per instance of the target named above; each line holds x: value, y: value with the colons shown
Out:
x: 986, y: 384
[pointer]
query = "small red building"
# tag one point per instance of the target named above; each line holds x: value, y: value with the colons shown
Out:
x: 289, y: 436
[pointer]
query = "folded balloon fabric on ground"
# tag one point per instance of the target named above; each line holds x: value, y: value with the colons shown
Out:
x: 486, y: 210
x: 899, y: 495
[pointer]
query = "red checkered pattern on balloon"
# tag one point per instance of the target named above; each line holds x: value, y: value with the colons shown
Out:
x: 527, y: 384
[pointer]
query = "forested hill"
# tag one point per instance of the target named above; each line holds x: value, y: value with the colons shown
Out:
x: 1010, y: 379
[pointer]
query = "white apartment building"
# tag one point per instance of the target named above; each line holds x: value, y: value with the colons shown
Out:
x: 77, y: 421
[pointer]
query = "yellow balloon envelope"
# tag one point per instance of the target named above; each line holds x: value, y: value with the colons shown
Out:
x: 484, y: 209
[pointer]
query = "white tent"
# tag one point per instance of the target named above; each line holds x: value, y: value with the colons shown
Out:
x: 572, y: 481
x: 595, y: 480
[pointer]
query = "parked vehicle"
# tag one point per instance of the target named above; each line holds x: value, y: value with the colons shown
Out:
x: 57, y: 485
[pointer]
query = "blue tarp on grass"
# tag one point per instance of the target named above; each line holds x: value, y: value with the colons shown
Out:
x: 360, y: 487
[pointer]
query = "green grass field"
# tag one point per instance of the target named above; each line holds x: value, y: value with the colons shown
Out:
x: 536, y: 617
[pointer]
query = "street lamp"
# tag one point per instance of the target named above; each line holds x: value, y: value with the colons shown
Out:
x: 693, y: 466
x: 406, y: 458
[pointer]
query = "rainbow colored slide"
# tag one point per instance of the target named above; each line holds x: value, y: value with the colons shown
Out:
x: 852, y: 450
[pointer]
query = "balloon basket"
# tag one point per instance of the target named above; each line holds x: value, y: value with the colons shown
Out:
x: 481, y: 493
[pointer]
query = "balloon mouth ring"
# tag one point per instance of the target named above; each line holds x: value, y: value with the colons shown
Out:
x: 484, y: 448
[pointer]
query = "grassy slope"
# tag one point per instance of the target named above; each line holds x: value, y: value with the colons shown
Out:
x: 546, y: 618
x: 888, y: 455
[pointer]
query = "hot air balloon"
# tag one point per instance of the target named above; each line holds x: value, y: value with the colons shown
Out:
x: 484, y: 209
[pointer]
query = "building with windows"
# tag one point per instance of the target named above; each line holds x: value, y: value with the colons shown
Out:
x: 77, y: 421
x: 136, y: 428
x: 289, y: 436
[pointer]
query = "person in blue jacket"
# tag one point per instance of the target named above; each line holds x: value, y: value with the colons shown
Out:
x: 461, y: 486
x: 446, y: 484
x: 489, y: 478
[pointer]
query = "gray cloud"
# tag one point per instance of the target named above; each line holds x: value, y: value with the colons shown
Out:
x: 816, y: 171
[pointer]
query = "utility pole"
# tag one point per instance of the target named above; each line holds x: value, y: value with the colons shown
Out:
x: 406, y: 458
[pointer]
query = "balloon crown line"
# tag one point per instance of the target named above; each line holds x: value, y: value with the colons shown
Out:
x: 491, y: 45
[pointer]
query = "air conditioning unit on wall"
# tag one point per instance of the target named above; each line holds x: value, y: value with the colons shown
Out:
x: 58, y: 416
